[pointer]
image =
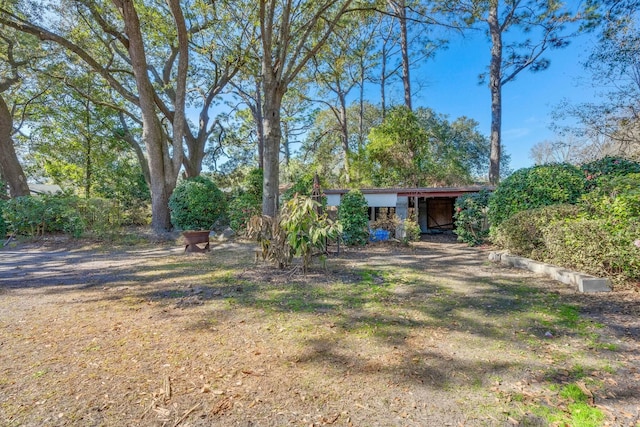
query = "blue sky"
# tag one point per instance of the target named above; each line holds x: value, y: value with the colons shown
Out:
x: 452, y: 88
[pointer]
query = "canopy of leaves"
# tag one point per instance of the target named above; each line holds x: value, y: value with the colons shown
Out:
x: 423, y: 148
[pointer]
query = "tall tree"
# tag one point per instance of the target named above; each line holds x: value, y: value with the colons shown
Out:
x: 291, y: 33
x: 538, y: 26
x: 13, y: 58
x: 117, y: 56
x: 340, y: 68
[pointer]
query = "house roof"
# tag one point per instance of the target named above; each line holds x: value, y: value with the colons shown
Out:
x: 418, y: 191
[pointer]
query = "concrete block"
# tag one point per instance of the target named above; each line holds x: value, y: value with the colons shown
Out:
x: 594, y: 284
x: 583, y: 282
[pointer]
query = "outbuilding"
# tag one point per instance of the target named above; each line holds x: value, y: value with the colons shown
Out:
x: 434, y: 205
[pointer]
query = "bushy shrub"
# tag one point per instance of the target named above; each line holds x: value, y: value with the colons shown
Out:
x: 196, y: 204
x: 616, y: 198
x: 246, y: 204
x: 608, y: 167
x: 589, y: 245
x: 353, y: 215
x: 36, y: 215
x: 412, y: 231
x: 524, y: 233
x: 535, y: 187
x: 597, y: 236
x: 470, y: 216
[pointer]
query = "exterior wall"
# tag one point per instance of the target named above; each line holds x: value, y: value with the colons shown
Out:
x: 333, y: 200
x: 382, y: 200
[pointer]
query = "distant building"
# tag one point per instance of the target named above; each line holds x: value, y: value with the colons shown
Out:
x: 435, y: 205
x: 45, y: 188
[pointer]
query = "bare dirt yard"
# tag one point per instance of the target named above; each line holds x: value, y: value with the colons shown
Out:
x: 387, y: 335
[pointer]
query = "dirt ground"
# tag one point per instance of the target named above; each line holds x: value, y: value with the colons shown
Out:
x: 430, y: 335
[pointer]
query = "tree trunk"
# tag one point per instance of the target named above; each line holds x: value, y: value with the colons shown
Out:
x: 383, y: 81
x: 163, y: 170
x: 344, y: 130
x: 10, y: 170
x: 495, y: 86
x: 271, y: 162
x: 257, y: 112
x: 401, y: 10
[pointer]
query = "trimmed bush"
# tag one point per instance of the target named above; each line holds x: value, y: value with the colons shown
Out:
x: 196, y: 204
x: 353, y: 215
x: 470, y: 217
x: 535, y: 187
x: 588, y: 245
x: 524, y: 233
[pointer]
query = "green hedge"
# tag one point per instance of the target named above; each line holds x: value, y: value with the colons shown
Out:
x: 535, y: 187
x: 600, y: 235
x: 524, y: 233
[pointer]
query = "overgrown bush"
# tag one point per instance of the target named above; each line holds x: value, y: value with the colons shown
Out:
x: 35, y: 215
x: 608, y: 167
x: 535, y: 187
x: 353, y: 215
x: 524, y: 233
x: 246, y: 204
x: 470, y: 216
x: 196, y: 204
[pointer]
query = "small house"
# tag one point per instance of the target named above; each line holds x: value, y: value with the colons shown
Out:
x: 434, y: 205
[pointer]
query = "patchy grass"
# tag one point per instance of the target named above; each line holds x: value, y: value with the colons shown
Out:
x: 383, y: 335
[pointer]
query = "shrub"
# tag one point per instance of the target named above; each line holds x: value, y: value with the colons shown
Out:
x: 616, y: 198
x: 353, y: 215
x: 297, y: 231
x: 412, y: 231
x: 608, y: 167
x: 470, y: 217
x: 533, y: 188
x: 588, y: 245
x: 196, y: 204
x: 524, y: 233
x: 248, y: 203
x: 35, y: 215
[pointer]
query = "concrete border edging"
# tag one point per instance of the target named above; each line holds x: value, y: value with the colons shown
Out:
x: 584, y: 282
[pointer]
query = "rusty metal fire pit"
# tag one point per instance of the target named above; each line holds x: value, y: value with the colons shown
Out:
x: 195, y: 238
